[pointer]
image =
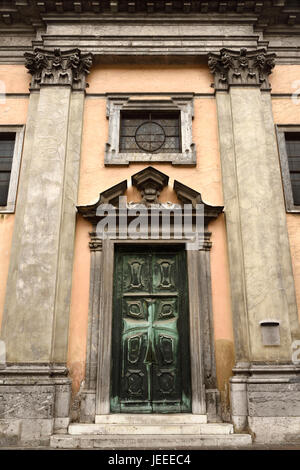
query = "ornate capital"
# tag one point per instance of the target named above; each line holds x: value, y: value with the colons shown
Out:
x: 236, y: 68
x: 58, y: 68
x: 96, y: 244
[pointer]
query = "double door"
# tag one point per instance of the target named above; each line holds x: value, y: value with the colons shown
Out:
x: 150, y: 335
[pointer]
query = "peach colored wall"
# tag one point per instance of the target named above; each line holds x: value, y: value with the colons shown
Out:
x: 284, y: 77
x: 223, y: 327
x: 293, y: 224
x: 13, y: 111
x: 6, y: 230
x: 95, y: 177
x: 79, y: 302
x: 15, y: 77
x: 205, y: 178
x: 149, y: 79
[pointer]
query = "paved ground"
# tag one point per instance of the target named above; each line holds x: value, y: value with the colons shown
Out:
x: 256, y: 447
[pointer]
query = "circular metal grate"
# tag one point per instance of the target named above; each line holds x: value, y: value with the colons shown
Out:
x: 150, y: 136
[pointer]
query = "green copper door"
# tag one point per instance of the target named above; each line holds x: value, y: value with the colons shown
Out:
x: 150, y: 341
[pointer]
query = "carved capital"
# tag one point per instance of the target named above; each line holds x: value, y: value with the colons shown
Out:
x: 237, y: 68
x: 58, y: 68
x: 96, y: 244
x: 204, y: 242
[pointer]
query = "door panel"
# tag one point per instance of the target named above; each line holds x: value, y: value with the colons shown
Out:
x: 136, y: 273
x: 150, y: 367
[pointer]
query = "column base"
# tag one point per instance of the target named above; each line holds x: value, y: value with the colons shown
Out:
x: 265, y: 401
x: 34, y: 403
x: 88, y: 406
x: 213, y: 405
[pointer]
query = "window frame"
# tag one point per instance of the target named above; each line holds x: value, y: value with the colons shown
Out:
x: 182, y: 103
x: 15, y: 168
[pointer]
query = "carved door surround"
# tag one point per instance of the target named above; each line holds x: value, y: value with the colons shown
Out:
x: 97, y: 386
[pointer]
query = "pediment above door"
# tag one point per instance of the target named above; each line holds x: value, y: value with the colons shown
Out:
x: 150, y: 182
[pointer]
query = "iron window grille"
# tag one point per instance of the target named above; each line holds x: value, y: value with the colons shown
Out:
x: 150, y: 132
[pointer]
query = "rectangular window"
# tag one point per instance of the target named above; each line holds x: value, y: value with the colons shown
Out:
x: 7, y: 144
x: 11, y: 143
x: 289, y: 151
x: 150, y: 129
x: 292, y: 142
x: 150, y: 132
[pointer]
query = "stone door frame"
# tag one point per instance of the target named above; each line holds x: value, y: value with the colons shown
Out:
x: 96, y: 395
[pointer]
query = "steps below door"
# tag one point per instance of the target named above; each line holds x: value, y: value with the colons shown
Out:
x: 152, y: 429
x: 153, y: 432
x: 151, y: 442
x: 151, y: 418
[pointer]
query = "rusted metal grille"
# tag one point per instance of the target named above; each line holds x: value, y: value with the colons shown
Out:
x: 150, y: 132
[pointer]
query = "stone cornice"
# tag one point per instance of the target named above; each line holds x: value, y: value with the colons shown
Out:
x: 266, y: 12
x: 237, y: 68
x: 58, y: 68
x: 136, y: 35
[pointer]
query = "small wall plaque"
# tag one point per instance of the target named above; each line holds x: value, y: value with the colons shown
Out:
x: 270, y: 332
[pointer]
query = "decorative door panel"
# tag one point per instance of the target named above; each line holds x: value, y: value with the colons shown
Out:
x: 165, y: 273
x: 150, y: 371
x: 136, y: 273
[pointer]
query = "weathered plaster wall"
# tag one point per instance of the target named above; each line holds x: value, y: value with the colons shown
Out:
x: 150, y: 79
x: 286, y: 111
x: 205, y: 178
x: 224, y: 341
x: 284, y: 77
x: 79, y: 302
x: 6, y: 230
x: 15, y: 77
x: 12, y: 111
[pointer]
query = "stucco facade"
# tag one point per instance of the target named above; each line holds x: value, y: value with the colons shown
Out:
x: 238, y: 68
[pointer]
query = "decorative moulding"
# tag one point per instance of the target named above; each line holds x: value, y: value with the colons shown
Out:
x: 237, y: 68
x: 180, y: 103
x: 58, y: 68
x: 150, y: 183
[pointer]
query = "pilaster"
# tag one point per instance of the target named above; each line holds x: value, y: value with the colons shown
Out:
x: 262, y: 285
x: 36, y: 313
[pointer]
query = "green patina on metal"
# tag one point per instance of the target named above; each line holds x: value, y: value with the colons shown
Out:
x: 150, y: 344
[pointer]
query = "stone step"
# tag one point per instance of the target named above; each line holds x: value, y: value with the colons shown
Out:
x: 134, y: 419
x: 150, y: 442
x: 153, y: 429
